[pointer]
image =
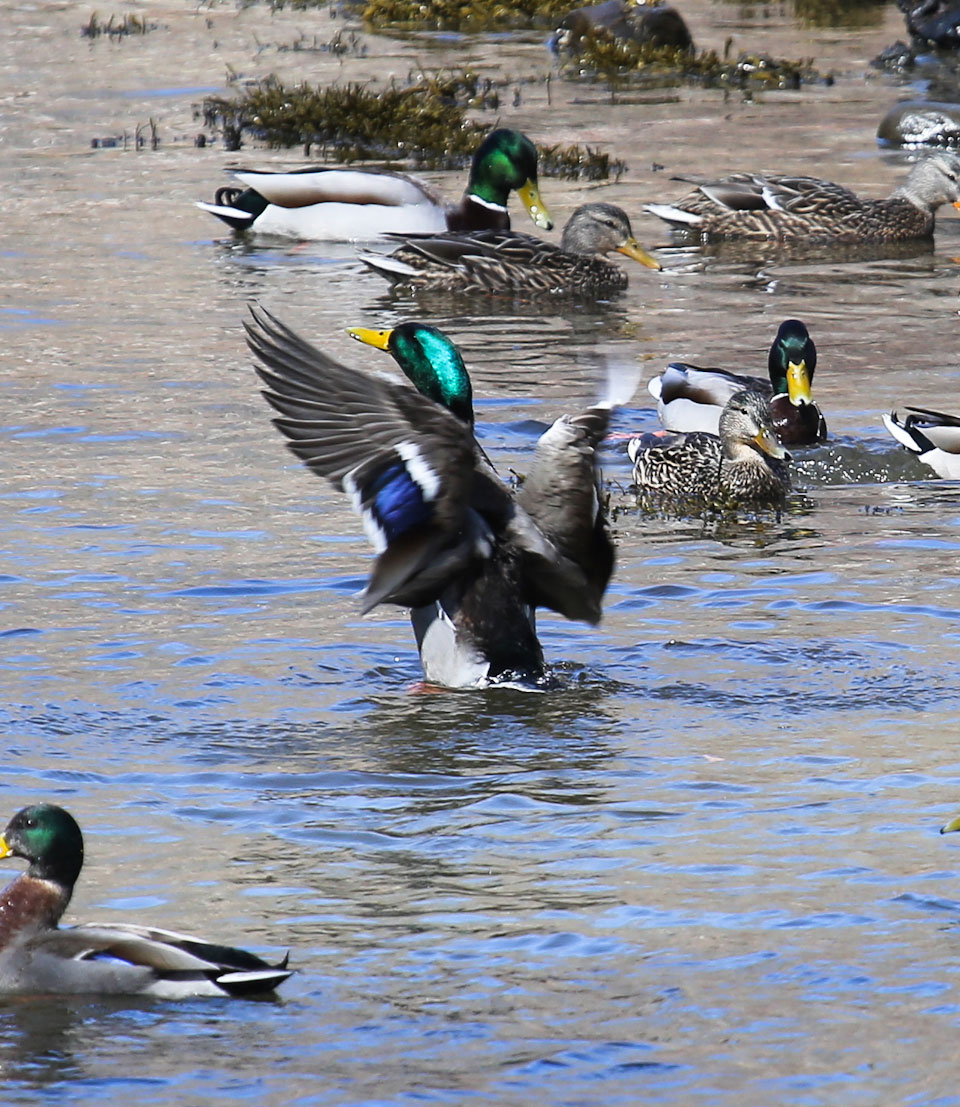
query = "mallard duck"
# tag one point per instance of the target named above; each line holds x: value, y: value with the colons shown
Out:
x: 691, y: 399
x: 471, y: 558
x: 37, y: 957
x: 509, y: 261
x: 931, y: 435
x: 351, y: 204
x: 744, y: 466
x: 748, y: 205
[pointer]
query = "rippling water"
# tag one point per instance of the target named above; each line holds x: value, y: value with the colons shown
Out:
x: 707, y: 868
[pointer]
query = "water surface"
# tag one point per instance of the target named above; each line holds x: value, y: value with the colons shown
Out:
x: 707, y: 869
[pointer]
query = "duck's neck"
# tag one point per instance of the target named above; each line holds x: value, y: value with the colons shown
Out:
x: 28, y: 904
x: 478, y: 213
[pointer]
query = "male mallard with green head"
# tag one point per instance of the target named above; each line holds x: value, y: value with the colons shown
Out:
x: 692, y: 399
x: 808, y: 209
x: 358, y: 204
x: 510, y: 261
x: 38, y: 957
x: 470, y: 557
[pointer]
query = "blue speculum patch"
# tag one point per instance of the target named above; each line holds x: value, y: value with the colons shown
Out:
x: 396, y: 501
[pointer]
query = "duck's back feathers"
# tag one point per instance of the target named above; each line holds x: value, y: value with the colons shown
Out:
x: 305, y: 187
x: 510, y: 261
x: 793, y: 208
x: 933, y: 436
x: 110, y: 959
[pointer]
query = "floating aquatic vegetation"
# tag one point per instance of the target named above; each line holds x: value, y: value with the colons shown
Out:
x: 601, y: 54
x: 116, y: 27
x: 424, y: 121
x: 462, y: 15
x: 840, y: 13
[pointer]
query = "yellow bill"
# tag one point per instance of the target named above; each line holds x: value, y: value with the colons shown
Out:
x: 634, y: 250
x: 380, y: 339
x: 530, y: 195
x: 798, y: 383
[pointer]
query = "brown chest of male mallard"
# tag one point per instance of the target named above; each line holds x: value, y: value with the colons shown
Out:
x: 745, y: 466
x: 347, y: 205
x: 513, y: 262
x: 809, y: 209
x: 691, y: 398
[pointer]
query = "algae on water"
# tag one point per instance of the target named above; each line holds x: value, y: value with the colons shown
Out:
x: 424, y: 122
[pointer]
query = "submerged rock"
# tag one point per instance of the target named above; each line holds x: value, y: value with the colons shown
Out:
x: 934, y: 22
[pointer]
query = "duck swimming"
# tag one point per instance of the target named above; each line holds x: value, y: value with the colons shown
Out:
x: 356, y: 204
x: 794, y: 209
x: 510, y: 261
x: 744, y: 467
x: 470, y: 557
x: 691, y: 399
x: 38, y: 957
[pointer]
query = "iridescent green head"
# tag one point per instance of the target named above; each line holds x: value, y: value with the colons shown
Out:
x: 430, y: 361
x: 49, y: 838
x: 507, y: 160
x: 792, y: 362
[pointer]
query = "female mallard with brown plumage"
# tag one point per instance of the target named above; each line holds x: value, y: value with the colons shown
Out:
x: 793, y: 209
x: 744, y: 466
x: 692, y: 399
x: 509, y: 261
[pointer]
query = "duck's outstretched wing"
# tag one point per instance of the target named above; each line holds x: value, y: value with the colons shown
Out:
x: 568, y: 550
x: 125, y: 960
x: 407, y: 463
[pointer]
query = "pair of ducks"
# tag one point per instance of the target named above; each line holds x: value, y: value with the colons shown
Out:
x: 466, y: 247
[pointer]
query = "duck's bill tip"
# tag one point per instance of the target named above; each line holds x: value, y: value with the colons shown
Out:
x: 632, y: 249
x: 537, y: 209
x: 947, y: 828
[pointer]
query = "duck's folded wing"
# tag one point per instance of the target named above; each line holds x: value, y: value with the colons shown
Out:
x: 97, y: 956
x: 681, y: 380
x: 303, y: 188
x: 406, y: 462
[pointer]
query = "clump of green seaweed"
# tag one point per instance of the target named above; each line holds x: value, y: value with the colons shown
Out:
x: 840, y: 13
x: 462, y: 15
x: 602, y: 54
x: 116, y: 27
x: 424, y: 122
